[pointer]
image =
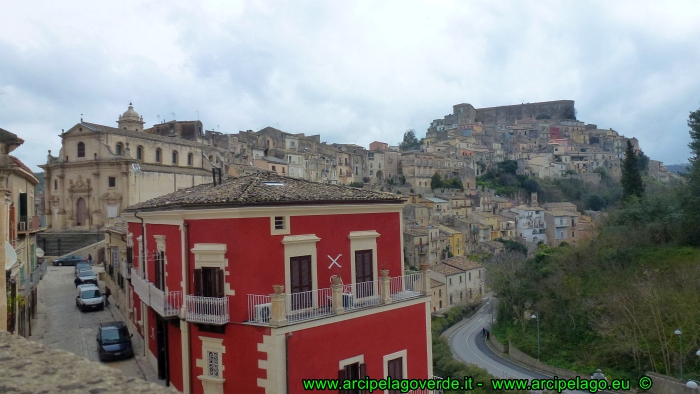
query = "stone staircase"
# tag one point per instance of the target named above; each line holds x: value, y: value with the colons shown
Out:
x: 58, y: 243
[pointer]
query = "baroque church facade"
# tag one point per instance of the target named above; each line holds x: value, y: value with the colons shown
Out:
x: 101, y: 170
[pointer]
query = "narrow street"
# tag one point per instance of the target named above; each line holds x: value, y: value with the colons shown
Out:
x: 59, y: 324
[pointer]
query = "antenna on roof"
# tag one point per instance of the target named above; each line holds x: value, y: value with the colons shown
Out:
x: 81, y: 118
x: 173, y: 115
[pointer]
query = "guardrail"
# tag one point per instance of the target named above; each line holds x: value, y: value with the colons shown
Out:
x: 405, y: 287
x: 207, y: 310
x: 164, y: 303
x: 141, y: 287
x: 308, y: 305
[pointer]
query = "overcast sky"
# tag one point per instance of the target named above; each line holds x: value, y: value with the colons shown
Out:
x: 351, y: 71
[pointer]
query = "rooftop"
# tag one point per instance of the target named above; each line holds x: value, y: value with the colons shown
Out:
x: 263, y: 189
x: 445, y: 269
x: 436, y: 283
x: 462, y: 263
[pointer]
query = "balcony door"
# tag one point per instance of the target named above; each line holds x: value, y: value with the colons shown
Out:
x: 159, y: 258
x: 301, y: 284
x: 395, y: 371
x: 364, y: 274
x: 354, y: 371
x: 81, y: 209
x: 209, y: 282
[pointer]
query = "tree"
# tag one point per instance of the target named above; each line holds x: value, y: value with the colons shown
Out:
x: 691, y: 193
x: 531, y: 185
x: 410, y: 142
x: 632, y: 184
x: 436, y: 181
x: 643, y: 162
x: 508, y: 166
x: 595, y: 202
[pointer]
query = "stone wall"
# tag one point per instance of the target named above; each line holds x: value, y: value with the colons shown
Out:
x: 30, y: 367
x: 508, y: 114
x: 667, y: 385
x: 497, y: 345
x: 523, y: 358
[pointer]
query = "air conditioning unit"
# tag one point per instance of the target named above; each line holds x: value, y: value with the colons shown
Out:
x: 263, y: 312
x: 22, y: 226
x: 348, y: 300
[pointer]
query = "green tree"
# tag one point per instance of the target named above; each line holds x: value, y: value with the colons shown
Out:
x: 436, y: 181
x: 508, y: 166
x: 632, y: 184
x: 642, y: 162
x: 410, y: 142
x: 691, y: 193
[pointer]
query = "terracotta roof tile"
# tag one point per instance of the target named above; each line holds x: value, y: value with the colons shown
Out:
x: 436, y: 283
x: 462, y: 263
x: 445, y: 269
x: 263, y: 189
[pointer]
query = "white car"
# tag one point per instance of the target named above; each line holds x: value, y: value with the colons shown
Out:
x: 89, y: 297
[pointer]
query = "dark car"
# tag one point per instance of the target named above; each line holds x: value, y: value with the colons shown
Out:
x: 114, y: 341
x: 84, y: 277
x: 82, y: 266
x: 70, y: 260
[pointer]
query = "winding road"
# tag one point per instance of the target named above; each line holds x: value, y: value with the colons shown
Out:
x: 468, y: 345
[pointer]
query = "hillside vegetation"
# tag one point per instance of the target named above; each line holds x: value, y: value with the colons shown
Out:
x: 614, y: 301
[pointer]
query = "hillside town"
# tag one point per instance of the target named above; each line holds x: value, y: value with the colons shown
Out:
x: 346, y: 235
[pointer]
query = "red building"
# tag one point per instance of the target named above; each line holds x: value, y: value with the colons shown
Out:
x: 254, y: 284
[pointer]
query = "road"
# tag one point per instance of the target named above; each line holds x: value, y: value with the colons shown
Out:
x: 468, y: 345
x: 61, y: 325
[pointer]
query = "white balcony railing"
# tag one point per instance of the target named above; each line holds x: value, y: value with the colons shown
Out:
x: 140, y: 286
x: 308, y: 305
x: 165, y: 303
x: 407, y: 286
x: 125, y: 270
x: 207, y: 310
x: 361, y: 295
x: 318, y: 303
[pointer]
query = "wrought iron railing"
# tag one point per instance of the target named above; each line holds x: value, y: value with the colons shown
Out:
x: 164, y: 303
x: 207, y: 310
x: 141, y: 287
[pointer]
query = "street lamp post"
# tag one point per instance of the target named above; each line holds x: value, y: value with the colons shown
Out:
x: 680, y: 349
x: 537, y: 316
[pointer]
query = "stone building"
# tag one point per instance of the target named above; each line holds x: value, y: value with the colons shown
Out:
x: 100, y: 170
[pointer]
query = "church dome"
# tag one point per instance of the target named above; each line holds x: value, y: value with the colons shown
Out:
x: 130, y: 114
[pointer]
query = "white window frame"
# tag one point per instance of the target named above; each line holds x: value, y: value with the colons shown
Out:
x: 403, y: 354
x: 363, y: 240
x: 213, y: 256
x: 211, y: 384
x: 300, y: 245
x: 283, y: 231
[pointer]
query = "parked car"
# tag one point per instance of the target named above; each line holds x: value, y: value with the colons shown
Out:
x: 81, y: 266
x: 114, y: 341
x: 85, y: 277
x: 89, y: 297
x: 70, y: 260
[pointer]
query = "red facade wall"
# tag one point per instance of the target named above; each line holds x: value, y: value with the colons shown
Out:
x: 240, y: 359
x: 316, y: 352
x: 256, y: 258
x: 175, y: 356
x: 173, y: 253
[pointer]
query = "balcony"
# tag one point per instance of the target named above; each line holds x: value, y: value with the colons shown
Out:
x: 339, y: 299
x: 166, y: 304
x: 207, y: 310
x: 141, y: 286
x: 28, y: 224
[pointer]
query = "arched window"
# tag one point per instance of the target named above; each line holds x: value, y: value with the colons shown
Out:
x: 189, y: 159
x: 139, y: 152
x: 175, y: 157
x: 81, y: 149
x: 159, y: 157
x: 120, y: 148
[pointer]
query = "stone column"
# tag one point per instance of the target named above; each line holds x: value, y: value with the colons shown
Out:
x: 279, y: 311
x: 425, y: 280
x: 385, y: 283
x: 337, y: 296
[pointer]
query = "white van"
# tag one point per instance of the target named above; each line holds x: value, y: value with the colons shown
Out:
x: 89, y: 297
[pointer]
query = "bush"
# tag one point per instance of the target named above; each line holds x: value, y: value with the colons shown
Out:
x: 356, y: 184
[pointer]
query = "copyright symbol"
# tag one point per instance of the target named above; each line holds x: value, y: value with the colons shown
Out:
x: 645, y: 383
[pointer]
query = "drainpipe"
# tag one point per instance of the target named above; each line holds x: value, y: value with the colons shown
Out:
x: 185, y: 278
x: 142, y: 264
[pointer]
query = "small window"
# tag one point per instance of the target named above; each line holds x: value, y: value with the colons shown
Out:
x: 139, y: 153
x: 460, y: 279
x: 81, y: 149
x: 450, y: 280
x: 213, y: 364
x: 119, y: 149
x: 112, y: 181
x: 470, y: 276
x: 279, y: 222
x: 159, y: 157
x: 55, y: 185
x: 175, y: 161
x: 189, y: 159
x: 274, y: 168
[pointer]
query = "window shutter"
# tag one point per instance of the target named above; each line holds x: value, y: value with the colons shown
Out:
x: 306, y: 274
x: 341, y: 378
x: 295, y: 274
x: 363, y: 374
x: 198, y: 282
x: 220, y: 283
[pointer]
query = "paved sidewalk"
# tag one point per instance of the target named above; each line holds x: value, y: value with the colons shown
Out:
x: 59, y: 324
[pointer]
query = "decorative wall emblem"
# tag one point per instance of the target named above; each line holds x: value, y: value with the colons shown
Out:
x: 334, y: 261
